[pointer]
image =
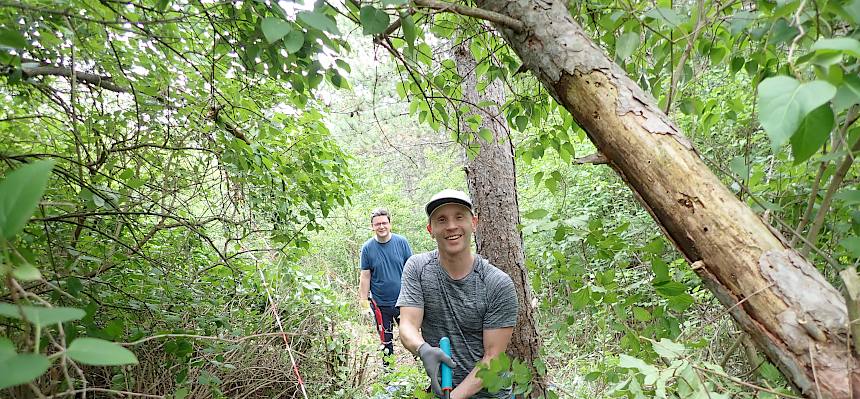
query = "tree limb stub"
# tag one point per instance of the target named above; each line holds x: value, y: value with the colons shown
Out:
x: 742, y: 259
x: 595, y: 159
x: 501, y: 19
x: 215, y: 116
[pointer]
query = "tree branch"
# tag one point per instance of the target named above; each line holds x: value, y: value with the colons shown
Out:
x: 491, y: 16
x: 105, y: 82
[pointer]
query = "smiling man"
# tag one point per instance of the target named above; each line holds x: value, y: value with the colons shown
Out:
x: 382, y: 259
x: 451, y: 292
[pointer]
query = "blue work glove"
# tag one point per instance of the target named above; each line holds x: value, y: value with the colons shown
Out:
x: 432, y: 357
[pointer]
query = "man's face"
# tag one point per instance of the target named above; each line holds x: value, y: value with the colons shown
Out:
x: 381, y: 227
x: 452, y: 225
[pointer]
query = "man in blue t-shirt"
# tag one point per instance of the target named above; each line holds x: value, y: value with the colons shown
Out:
x: 382, y: 260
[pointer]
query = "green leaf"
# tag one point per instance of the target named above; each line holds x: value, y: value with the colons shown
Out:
x: 668, y: 349
x: 813, y: 132
x: 850, y: 197
x: 670, y: 288
x: 98, y: 352
x: 680, y: 302
x: 373, y: 20
x: 783, y: 102
x: 738, y: 166
x: 409, y: 31
x: 852, y: 8
x: 848, y: 93
x: 7, y: 348
x: 20, y: 192
x: 536, y: 214
x: 294, y: 41
x: 41, y: 316
x: 12, y: 38
x: 641, y: 314
x: 852, y: 244
x: 667, y: 15
x: 19, y: 369
x: 630, y: 362
x: 318, y: 21
x: 26, y: 272
x: 626, y: 45
x: 485, y: 134
x: 846, y: 45
x: 275, y: 28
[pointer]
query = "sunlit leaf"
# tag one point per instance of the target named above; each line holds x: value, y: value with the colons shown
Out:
x: 20, y: 192
x: 275, y: 28
x: 783, y: 102
x: 536, y: 214
x: 26, y: 272
x: 294, y: 41
x: 852, y: 244
x: 319, y: 21
x: 98, y: 352
x: 668, y: 348
x: 846, y: 45
x: 41, y: 315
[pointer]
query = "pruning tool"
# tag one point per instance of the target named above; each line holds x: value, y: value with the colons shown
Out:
x: 447, y: 374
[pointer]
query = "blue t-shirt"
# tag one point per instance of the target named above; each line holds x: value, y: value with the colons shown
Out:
x: 385, y: 262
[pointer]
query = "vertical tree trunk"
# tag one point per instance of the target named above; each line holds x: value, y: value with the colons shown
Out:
x: 791, y: 312
x: 492, y: 186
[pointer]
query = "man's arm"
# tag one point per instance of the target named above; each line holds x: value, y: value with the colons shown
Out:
x: 495, y: 342
x: 410, y: 325
x: 363, y: 286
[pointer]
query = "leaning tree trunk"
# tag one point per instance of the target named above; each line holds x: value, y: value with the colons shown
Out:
x: 792, y: 313
x: 492, y: 185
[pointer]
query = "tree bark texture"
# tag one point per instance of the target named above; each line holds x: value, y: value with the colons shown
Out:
x: 492, y: 185
x: 791, y: 312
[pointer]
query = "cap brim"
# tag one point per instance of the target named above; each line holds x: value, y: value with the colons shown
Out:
x: 433, y: 205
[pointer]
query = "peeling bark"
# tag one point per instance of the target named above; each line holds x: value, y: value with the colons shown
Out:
x: 492, y: 181
x: 793, y: 315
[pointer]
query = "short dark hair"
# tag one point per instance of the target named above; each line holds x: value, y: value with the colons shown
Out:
x: 379, y: 212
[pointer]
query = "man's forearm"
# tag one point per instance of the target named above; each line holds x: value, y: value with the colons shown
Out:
x: 411, y: 338
x: 471, y: 384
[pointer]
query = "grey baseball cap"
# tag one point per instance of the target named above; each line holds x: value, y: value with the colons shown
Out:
x: 448, y: 196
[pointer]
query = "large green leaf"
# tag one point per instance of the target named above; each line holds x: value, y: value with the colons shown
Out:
x: 373, y: 20
x: 19, y: 369
x: 275, y: 28
x: 846, y: 45
x: 19, y: 195
x: 319, y: 21
x: 41, y: 316
x: 294, y: 41
x: 668, y: 348
x: 852, y: 244
x: 848, y: 93
x: 849, y: 196
x: 813, y: 132
x: 12, y: 38
x: 98, y: 352
x: 626, y: 45
x: 783, y: 102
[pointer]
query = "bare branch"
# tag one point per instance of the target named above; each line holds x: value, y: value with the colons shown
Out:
x: 491, y: 16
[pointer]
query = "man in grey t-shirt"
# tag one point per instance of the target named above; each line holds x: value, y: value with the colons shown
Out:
x: 454, y: 293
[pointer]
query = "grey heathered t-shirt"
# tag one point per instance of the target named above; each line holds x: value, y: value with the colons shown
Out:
x: 460, y: 309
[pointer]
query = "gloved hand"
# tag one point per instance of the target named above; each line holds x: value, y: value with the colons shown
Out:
x: 432, y: 357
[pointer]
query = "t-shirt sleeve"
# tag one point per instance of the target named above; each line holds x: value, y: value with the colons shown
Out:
x: 411, y: 294
x: 502, y: 309
x: 364, y: 260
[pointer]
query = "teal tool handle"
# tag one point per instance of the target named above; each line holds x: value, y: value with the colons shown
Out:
x: 447, y: 374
